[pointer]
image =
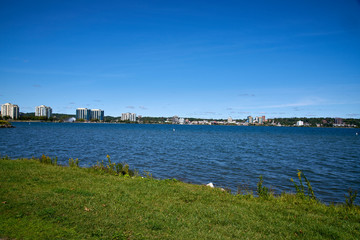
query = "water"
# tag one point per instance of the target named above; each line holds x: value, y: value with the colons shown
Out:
x: 228, y: 156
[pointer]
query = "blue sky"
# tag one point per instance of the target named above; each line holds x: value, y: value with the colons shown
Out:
x: 208, y: 59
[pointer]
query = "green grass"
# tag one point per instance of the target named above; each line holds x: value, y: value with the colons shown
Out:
x: 40, y: 201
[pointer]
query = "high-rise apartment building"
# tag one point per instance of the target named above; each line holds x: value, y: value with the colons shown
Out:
x: 250, y: 119
x: 89, y: 114
x: 10, y: 110
x: 43, y: 111
x: 83, y: 113
x: 97, y: 114
x: 128, y: 117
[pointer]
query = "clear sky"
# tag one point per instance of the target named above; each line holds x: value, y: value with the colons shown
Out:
x: 208, y: 59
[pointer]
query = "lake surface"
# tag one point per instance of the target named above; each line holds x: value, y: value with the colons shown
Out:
x: 228, y: 156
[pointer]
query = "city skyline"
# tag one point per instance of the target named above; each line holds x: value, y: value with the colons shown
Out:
x: 197, y: 59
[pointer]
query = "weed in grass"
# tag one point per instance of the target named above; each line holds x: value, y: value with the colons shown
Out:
x: 349, y: 200
x: 118, y: 169
x: 147, y: 175
x: 263, y: 191
x: 300, y: 189
x: 73, y: 163
x: 6, y: 157
x: 111, y: 168
x: 48, y: 160
x: 244, y: 189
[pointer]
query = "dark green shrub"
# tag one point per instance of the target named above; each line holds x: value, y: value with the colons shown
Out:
x: 262, y: 191
x: 350, y: 200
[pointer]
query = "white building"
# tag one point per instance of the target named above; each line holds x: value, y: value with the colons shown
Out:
x: 230, y: 120
x: 10, y: 110
x: 300, y: 123
x: 128, y: 117
x: 43, y: 111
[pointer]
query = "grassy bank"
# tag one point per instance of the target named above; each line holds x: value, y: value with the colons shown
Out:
x: 43, y: 201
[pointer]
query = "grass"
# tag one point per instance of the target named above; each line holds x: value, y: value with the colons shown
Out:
x: 45, y: 201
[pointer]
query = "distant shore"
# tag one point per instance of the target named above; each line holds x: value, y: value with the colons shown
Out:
x: 164, y: 123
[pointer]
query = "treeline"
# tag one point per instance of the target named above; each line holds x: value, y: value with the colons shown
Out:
x: 314, y: 122
x: 153, y: 119
x: 31, y: 117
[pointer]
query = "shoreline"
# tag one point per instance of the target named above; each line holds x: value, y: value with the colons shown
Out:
x: 229, y: 125
x: 42, y: 201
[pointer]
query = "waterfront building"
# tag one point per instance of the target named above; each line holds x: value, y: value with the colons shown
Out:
x: 250, y: 119
x: 124, y: 116
x: 300, y: 123
x: 43, y: 111
x: 97, y: 114
x: 260, y: 120
x: 175, y: 120
x: 10, y: 110
x: 338, y: 121
x: 132, y: 117
x: 182, y: 121
x: 263, y: 119
x: 83, y: 113
x: 128, y: 117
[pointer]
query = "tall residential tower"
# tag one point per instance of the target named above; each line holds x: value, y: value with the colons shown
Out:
x: 10, y: 110
x: 43, y: 111
x: 87, y: 114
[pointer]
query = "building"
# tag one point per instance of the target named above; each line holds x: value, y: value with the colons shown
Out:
x: 83, y: 114
x: 230, y: 120
x: 339, y: 121
x: 260, y: 120
x: 300, y: 123
x: 263, y: 119
x: 97, y: 114
x: 250, y: 119
x: 128, y: 117
x: 43, y: 111
x: 10, y: 110
x: 89, y: 114
x: 175, y: 120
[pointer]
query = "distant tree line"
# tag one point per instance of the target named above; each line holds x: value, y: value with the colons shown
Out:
x: 313, y: 122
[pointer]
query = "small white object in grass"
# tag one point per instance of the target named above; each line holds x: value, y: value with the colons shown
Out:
x: 210, y: 185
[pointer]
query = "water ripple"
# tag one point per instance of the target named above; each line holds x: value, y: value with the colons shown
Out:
x: 226, y: 155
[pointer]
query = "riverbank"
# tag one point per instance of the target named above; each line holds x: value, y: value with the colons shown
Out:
x: 5, y: 124
x: 42, y: 201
